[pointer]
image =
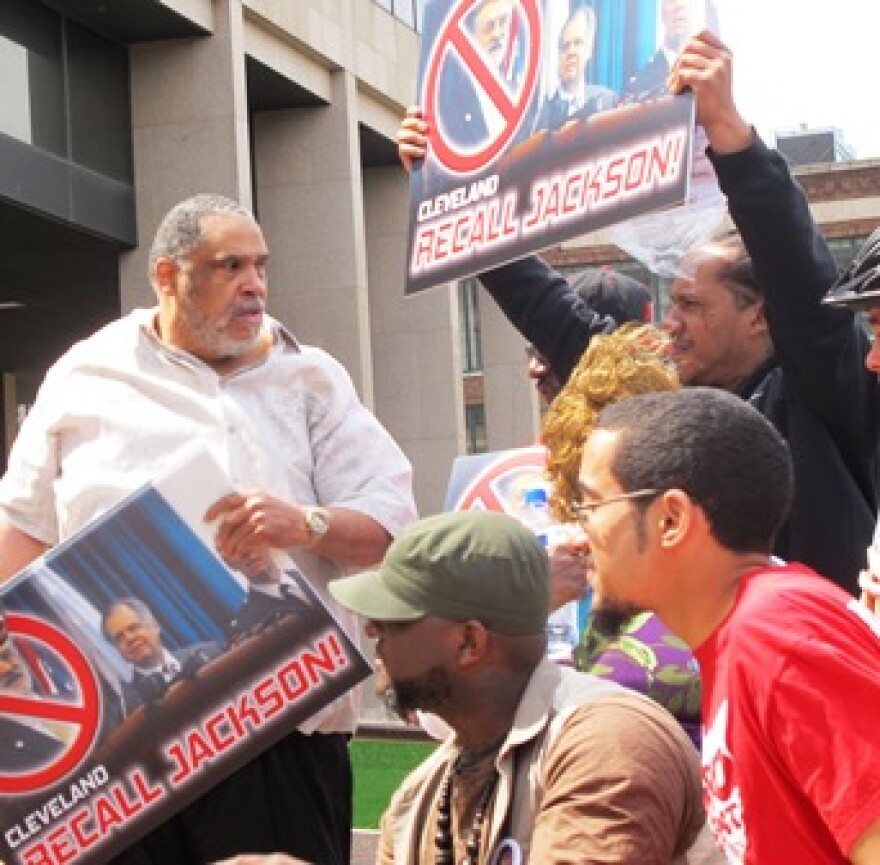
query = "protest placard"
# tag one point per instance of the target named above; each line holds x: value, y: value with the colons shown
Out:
x: 139, y: 670
x: 545, y: 123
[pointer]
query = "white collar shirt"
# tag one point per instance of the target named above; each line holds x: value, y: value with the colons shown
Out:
x: 574, y: 99
x: 168, y: 669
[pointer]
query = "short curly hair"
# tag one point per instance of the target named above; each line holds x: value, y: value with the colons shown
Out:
x: 181, y: 228
x: 622, y: 364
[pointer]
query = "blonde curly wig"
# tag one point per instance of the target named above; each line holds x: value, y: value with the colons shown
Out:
x: 627, y: 362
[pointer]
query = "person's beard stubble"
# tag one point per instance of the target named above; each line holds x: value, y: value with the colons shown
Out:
x: 428, y: 692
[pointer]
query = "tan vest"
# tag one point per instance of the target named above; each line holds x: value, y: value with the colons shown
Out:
x: 551, y: 695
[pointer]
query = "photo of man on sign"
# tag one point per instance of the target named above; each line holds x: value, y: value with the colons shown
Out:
x: 479, y: 75
x: 535, y: 134
x: 576, y: 98
x: 24, y: 745
x: 468, y: 114
x: 678, y: 20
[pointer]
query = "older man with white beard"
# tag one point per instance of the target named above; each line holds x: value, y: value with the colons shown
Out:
x: 316, y: 475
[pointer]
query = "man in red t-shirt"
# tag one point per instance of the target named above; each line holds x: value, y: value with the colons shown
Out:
x: 682, y: 495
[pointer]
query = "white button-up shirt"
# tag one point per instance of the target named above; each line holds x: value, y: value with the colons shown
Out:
x: 117, y: 409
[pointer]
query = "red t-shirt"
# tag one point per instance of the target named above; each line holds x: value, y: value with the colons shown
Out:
x: 791, y: 721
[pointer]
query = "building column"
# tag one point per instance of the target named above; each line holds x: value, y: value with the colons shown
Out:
x: 416, y: 345
x: 310, y: 204
x: 189, y: 130
x: 512, y: 407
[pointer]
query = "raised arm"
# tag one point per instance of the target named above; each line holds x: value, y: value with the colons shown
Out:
x: 541, y: 304
x: 821, y: 348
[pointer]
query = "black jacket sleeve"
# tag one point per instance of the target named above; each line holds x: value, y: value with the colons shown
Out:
x: 539, y: 302
x: 820, y: 348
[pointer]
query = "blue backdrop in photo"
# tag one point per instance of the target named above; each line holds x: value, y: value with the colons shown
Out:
x: 145, y: 550
x: 626, y: 39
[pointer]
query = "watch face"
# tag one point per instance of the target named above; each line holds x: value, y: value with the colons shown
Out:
x: 316, y: 520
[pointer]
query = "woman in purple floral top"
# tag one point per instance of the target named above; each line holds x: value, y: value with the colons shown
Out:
x: 644, y: 656
x: 639, y: 653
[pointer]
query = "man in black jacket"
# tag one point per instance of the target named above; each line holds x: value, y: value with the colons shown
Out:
x: 747, y: 316
x: 812, y: 384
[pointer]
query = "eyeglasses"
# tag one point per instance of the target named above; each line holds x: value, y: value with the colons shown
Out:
x: 584, y: 510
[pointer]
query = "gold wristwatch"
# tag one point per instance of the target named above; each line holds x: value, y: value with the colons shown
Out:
x: 317, y: 523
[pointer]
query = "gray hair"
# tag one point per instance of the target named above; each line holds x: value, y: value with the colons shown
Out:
x: 181, y: 229
x: 138, y: 607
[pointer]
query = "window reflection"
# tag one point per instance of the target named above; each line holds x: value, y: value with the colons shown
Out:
x: 405, y: 11
x: 65, y: 89
x: 469, y: 320
x: 32, y: 108
x: 15, y: 109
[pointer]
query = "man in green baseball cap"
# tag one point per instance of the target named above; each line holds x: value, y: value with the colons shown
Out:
x: 454, y: 566
x: 544, y: 762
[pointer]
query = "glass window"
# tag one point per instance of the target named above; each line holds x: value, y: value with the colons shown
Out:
x: 469, y: 312
x: 475, y: 428
x: 65, y: 89
x: 32, y: 107
x: 844, y: 249
x: 100, y: 115
x: 15, y: 113
x: 410, y: 12
x: 405, y: 11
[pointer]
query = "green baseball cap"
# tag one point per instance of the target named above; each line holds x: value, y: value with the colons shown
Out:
x: 457, y: 566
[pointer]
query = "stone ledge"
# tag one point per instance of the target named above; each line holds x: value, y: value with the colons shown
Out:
x: 391, y: 730
x: 364, y: 843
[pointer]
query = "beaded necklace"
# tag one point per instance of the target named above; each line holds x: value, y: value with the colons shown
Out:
x: 443, y: 843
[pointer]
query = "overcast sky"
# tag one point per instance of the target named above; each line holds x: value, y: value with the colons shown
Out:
x: 804, y: 63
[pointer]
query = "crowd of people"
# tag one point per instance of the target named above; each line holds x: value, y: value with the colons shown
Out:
x: 722, y: 471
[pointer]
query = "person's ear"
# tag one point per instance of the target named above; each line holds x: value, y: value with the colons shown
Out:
x: 758, y: 318
x: 165, y: 276
x: 676, y: 517
x: 473, y: 643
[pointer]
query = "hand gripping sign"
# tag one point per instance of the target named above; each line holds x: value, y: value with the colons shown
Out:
x: 81, y: 716
x: 453, y: 41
